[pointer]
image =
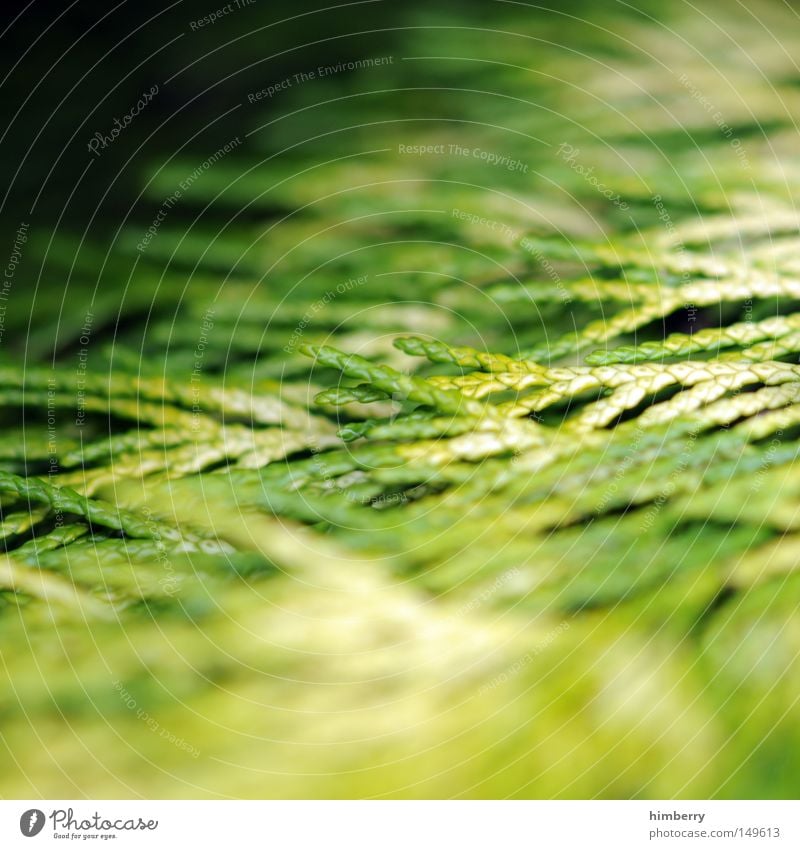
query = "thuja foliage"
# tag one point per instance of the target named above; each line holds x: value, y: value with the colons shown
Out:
x: 443, y: 444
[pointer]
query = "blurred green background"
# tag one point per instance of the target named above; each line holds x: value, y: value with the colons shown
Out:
x: 209, y: 590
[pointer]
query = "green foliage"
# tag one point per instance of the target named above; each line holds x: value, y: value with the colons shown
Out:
x: 430, y: 477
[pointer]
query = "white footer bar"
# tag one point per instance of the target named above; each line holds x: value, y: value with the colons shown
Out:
x: 400, y: 825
